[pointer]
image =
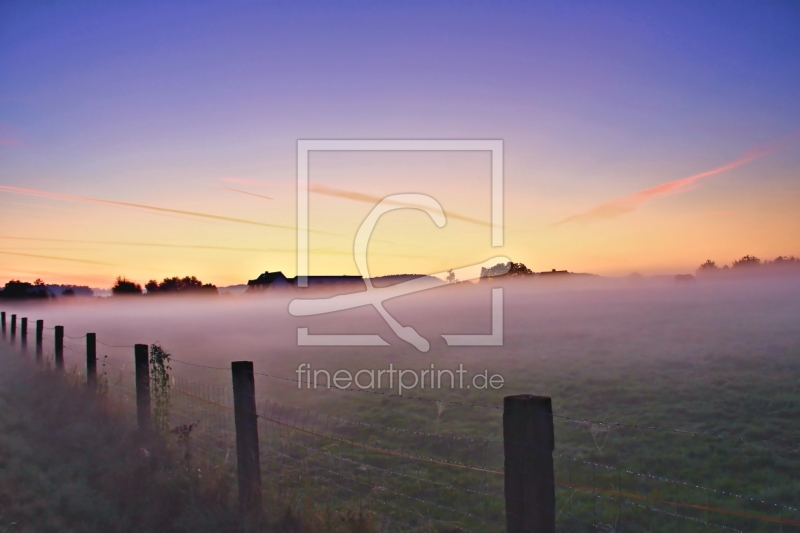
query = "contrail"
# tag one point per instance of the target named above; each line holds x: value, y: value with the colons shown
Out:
x: 626, y: 204
x: 189, y: 246
x: 326, y: 190
x: 243, y: 181
x: 162, y: 245
x: 370, y: 199
x: 62, y: 259
x: 61, y: 196
x: 39, y: 206
x: 245, y: 192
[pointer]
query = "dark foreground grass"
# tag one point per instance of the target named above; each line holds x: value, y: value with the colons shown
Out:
x: 70, y: 462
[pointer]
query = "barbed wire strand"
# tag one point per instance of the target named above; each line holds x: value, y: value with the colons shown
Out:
x: 115, y: 345
x: 402, y: 509
x: 673, y: 481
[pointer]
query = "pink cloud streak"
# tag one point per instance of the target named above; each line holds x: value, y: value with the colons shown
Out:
x: 631, y: 202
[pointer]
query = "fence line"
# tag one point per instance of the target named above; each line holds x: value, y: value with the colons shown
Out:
x: 462, y: 404
x: 116, y: 345
x: 356, y: 444
x: 219, y: 397
x: 618, y: 493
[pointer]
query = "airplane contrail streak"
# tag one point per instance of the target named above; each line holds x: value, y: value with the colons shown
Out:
x: 189, y: 246
x: 246, y: 192
x: 72, y: 197
x: 368, y: 198
x: 325, y: 190
x: 61, y: 259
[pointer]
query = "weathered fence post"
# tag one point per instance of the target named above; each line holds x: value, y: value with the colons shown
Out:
x: 529, y: 479
x: 91, y: 361
x: 13, y: 328
x: 23, y: 333
x: 3, y: 322
x: 39, y: 337
x: 143, y: 415
x: 59, y: 353
x: 246, y: 420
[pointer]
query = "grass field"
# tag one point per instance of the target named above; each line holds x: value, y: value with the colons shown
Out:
x: 718, y: 359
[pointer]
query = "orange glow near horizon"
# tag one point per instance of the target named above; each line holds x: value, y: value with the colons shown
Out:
x: 227, y: 235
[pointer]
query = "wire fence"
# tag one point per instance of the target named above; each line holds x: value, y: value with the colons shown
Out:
x: 410, y: 478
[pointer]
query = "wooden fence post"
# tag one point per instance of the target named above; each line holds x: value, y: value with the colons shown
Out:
x: 59, y: 347
x: 13, y: 328
x: 529, y: 479
x: 3, y: 322
x: 39, y: 337
x: 91, y: 361
x: 143, y: 415
x: 23, y: 333
x: 246, y: 420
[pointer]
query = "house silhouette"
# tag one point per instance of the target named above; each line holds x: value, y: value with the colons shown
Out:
x: 278, y: 281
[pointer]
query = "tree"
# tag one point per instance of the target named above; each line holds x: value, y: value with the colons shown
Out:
x: 500, y: 269
x: 125, y: 287
x: 518, y: 269
x: 451, y: 276
x: 747, y: 261
x: 175, y: 284
x: 708, y: 267
x: 506, y: 269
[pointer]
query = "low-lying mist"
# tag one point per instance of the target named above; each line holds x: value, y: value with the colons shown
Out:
x: 586, y: 324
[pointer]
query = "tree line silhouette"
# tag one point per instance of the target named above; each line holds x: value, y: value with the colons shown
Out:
x: 749, y: 261
x: 23, y: 290
x: 173, y: 285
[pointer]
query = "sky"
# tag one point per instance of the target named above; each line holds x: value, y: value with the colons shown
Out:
x: 159, y: 139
